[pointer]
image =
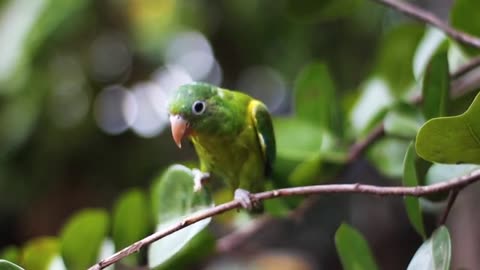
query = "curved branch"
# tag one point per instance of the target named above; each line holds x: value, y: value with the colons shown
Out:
x: 452, y: 184
x: 430, y: 18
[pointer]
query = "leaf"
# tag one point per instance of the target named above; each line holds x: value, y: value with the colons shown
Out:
x: 33, y: 23
x: 371, y: 105
x: 40, y: 253
x: 412, y: 204
x: 388, y: 155
x: 462, y: 17
x: 82, y: 238
x: 436, y: 86
x: 453, y: 139
x: 395, y: 57
x: 443, y: 172
x: 131, y: 221
x: 433, y: 254
x: 315, y: 99
x: 6, y: 265
x: 353, y: 249
x: 11, y: 254
x: 431, y: 41
x: 173, y: 199
x: 297, y: 139
x: 403, y: 120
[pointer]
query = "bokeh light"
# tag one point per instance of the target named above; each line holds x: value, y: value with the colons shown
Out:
x: 115, y: 109
x: 110, y: 58
x: 265, y: 84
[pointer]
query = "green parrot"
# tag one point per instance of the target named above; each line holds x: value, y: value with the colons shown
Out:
x: 232, y: 134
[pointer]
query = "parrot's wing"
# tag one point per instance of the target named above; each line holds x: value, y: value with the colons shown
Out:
x: 264, y: 128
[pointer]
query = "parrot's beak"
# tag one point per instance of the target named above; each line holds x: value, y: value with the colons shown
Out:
x: 180, y: 129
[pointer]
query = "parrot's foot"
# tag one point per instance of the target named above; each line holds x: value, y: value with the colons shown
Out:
x: 247, y: 200
x: 199, y: 179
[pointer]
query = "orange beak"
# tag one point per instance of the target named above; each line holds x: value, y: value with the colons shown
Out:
x: 180, y: 129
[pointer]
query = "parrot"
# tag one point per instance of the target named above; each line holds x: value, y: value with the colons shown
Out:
x: 232, y: 134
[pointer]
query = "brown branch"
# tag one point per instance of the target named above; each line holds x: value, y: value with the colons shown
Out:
x: 451, y: 199
x: 430, y: 18
x: 452, y: 184
x: 458, y: 88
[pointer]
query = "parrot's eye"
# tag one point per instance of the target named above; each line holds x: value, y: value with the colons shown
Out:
x: 198, y: 107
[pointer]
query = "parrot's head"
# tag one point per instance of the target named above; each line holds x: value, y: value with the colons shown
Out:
x: 195, y: 108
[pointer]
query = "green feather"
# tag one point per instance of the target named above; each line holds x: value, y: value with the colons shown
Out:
x: 233, y: 137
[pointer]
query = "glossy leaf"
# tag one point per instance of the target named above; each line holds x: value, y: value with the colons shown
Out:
x: 6, y: 265
x: 462, y: 17
x: 443, y: 172
x: 353, y: 249
x: 433, y: 254
x: 297, y: 139
x: 315, y: 97
x: 370, y: 107
x: 173, y: 199
x: 431, y: 41
x: 40, y: 253
x: 394, y: 61
x: 410, y: 179
x: 453, y: 139
x: 82, y: 238
x: 131, y: 221
x: 403, y: 120
x: 436, y: 86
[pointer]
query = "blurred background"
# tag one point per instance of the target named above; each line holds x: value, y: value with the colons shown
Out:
x: 83, y: 86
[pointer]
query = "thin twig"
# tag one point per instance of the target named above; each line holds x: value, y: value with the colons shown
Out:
x: 471, y: 65
x: 451, y: 199
x: 452, y: 184
x: 430, y: 18
x: 456, y: 89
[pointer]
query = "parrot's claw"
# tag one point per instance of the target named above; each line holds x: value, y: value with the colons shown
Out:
x: 246, y: 199
x: 199, y: 178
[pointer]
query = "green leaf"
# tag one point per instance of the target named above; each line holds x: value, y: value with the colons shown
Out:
x: 131, y: 221
x: 297, y: 139
x: 412, y: 204
x: 6, y: 265
x: 433, y: 254
x: 40, y: 253
x: 453, y: 139
x: 353, y: 249
x: 173, y: 199
x: 315, y: 97
x: 431, y: 41
x: 395, y: 58
x: 462, y: 17
x: 388, y: 155
x: 82, y: 238
x: 370, y: 107
x: 443, y: 172
x: 436, y: 86
x: 11, y: 254
x: 403, y: 120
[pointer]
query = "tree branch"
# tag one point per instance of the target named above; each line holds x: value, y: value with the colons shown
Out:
x: 430, y: 18
x: 418, y: 191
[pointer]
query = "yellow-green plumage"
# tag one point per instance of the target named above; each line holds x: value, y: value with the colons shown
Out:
x: 233, y: 137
